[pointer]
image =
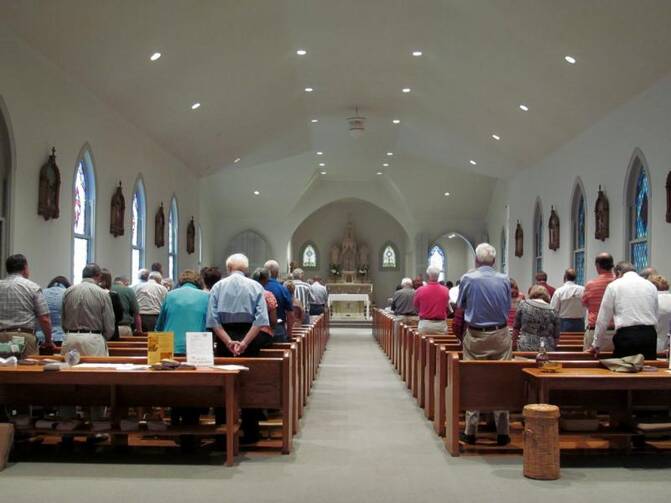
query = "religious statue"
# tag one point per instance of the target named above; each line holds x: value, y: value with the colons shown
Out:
x: 49, y: 188
x: 363, y: 255
x: 348, y: 250
x: 335, y: 255
x: 190, y: 237
x: 159, y: 227
x: 668, y: 197
x: 553, y: 227
x: 601, y: 213
x: 519, y: 240
x: 117, y: 212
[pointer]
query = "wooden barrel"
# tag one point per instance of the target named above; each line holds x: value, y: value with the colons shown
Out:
x: 541, y: 441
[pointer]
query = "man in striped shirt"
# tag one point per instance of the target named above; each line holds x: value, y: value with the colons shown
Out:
x: 591, y: 299
x: 303, y: 293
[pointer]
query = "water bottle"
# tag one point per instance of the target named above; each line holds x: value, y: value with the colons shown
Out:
x: 72, y: 357
x: 542, y: 356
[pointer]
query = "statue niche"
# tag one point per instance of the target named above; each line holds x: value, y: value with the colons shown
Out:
x: 349, y: 259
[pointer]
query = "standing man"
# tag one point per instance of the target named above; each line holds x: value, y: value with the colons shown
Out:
x: 88, y: 315
x: 320, y: 296
x: 130, y: 320
x: 631, y: 302
x: 567, y: 301
x: 237, y: 310
x: 402, y: 303
x: 591, y: 299
x: 303, y: 293
x: 542, y: 280
x: 485, y: 297
x: 22, y: 305
x: 283, y: 297
x: 432, y: 304
x: 150, y: 297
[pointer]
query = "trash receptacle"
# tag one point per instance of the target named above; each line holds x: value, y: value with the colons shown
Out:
x: 541, y: 441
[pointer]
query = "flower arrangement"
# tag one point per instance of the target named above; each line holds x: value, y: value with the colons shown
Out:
x: 363, y: 270
x: 334, y: 269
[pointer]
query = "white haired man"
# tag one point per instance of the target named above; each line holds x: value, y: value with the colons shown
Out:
x: 303, y: 293
x: 150, y: 296
x: 432, y: 302
x: 484, y: 296
x: 402, y: 301
x: 236, y: 312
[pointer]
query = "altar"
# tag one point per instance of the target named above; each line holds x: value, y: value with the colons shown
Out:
x: 349, y: 306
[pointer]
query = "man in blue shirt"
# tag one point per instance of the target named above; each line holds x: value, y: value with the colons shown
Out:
x: 236, y: 313
x: 184, y: 310
x: 284, y: 300
x: 484, y: 295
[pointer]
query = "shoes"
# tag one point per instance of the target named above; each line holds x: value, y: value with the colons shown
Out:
x: 467, y: 439
x: 502, y: 440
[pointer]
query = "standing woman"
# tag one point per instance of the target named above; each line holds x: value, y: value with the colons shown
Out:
x: 106, y: 284
x: 536, y: 321
x: 53, y: 294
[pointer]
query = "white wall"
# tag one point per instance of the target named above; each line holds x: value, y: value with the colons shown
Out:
x: 46, y: 108
x: 599, y: 156
x: 372, y: 225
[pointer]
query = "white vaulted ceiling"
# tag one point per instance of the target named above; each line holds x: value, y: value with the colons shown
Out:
x: 481, y: 60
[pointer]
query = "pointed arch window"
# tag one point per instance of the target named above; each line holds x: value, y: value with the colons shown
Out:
x: 173, y: 242
x: 389, y: 259
x: 138, y: 215
x: 638, y: 225
x: 538, y: 239
x: 83, y: 215
x: 578, y: 234
x: 437, y: 259
x: 503, y: 251
x: 309, y: 256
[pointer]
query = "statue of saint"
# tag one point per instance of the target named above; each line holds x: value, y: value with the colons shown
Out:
x: 363, y: 255
x: 348, y: 249
x: 335, y: 255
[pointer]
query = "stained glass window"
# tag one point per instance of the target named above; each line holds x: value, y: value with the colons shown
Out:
x: 173, y: 244
x: 309, y: 257
x: 579, y: 236
x: 83, y: 216
x: 538, y: 240
x: 138, y: 228
x: 389, y: 257
x: 437, y: 259
x: 503, y: 251
x: 638, y: 232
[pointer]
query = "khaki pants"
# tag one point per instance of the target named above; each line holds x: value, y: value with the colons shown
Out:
x: 29, y: 340
x: 125, y: 331
x: 432, y: 327
x: 490, y: 345
x: 605, y: 341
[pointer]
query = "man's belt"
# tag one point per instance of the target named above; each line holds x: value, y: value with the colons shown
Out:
x: 19, y: 330
x: 488, y: 328
x: 431, y: 319
x: 84, y: 331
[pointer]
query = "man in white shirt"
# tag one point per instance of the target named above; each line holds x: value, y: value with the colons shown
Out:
x: 150, y: 296
x: 319, y: 295
x: 632, y: 303
x: 567, y: 301
x: 454, y: 294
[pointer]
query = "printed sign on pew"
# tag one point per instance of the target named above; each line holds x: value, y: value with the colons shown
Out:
x: 160, y: 345
x: 199, y: 349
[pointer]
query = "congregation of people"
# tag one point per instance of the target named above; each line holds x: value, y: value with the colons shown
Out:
x: 620, y: 311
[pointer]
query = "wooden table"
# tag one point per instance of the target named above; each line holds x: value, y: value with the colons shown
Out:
x: 120, y: 389
x: 540, y: 384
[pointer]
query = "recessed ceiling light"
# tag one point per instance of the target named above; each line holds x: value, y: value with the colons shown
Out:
x: 323, y: 172
x: 396, y: 121
x: 570, y: 59
x: 322, y: 164
x: 416, y: 53
x: 256, y: 192
x: 195, y: 106
x: 386, y: 164
x: 451, y: 236
x: 308, y: 89
x: 472, y: 162
x: 236, y: 160
x: 496, y: 137
x: 447, y: 194
x: 379, y: 173
x: 314, y: 121
x: 320, y: 153
x: 155, y: 56
x: 301, y: 52
x: 390, y: 154
x: 524, y: 107
x: 406, y: 90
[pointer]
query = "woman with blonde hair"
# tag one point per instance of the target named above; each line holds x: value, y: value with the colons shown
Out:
x: 536, y: 321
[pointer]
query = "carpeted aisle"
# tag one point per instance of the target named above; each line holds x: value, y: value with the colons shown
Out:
x: 363, y: 439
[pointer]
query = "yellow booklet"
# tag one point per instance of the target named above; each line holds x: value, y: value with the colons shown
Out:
x: 159, y: 345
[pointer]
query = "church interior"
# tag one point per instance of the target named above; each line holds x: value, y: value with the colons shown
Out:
x: 362, y: 143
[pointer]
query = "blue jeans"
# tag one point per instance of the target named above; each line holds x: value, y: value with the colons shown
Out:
x: 280, y: 333
x: 572, y: 325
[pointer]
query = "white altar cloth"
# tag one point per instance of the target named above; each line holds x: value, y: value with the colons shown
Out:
x: 350, y: 297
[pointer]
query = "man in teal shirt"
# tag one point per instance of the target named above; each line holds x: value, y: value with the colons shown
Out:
x: 184, y: 310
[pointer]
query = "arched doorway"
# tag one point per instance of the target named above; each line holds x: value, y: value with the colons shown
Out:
x: 457, y: 252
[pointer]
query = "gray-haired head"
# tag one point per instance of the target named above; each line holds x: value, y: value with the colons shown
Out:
x: 156, y: 276
x: 261, y: 275
x: 237, y: 262
x: 143, y: 274
x: 647, y: 272
x: 433, y: 273
x: 274, y: 267
x: 406, y: 282
x: 624, y: 267
x: 298, y: 273
x: 91, y: 271
x: 485, y: 254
